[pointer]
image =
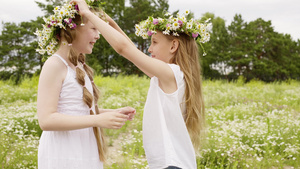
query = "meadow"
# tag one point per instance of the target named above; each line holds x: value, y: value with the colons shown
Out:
x: 248, y: 125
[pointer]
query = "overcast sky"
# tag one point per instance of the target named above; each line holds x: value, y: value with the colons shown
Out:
x: 284, y: 14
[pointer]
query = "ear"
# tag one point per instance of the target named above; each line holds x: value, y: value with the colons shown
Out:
x: 175, y: 45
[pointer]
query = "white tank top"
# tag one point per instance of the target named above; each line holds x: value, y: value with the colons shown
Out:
x: 165, y: 136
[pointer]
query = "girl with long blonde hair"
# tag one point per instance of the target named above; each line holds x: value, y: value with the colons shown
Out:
x: 173, y: 117
x: 67, y: 98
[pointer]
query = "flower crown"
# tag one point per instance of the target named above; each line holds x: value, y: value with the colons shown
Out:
x: 62, y: 18
x: 173, y: 26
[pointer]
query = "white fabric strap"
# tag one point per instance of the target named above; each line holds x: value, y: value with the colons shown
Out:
x: 61, y: 59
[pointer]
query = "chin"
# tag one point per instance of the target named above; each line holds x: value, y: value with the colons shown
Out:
x: 87, y: 51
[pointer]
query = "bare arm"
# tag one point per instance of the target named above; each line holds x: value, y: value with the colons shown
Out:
x: 113, y: 24
x: 50, y: 83
x: 122, y: 46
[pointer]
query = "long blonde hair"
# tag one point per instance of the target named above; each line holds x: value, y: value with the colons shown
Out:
x: 187, y: 58
x: 88, y: 98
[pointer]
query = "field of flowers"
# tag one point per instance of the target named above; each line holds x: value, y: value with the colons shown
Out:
x: 252, y: 125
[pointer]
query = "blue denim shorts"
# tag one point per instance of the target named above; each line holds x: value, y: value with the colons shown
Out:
x: 172, y: 167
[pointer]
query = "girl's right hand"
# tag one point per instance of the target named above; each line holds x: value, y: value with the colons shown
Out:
x: 83, y: 7
x: 111, y: 120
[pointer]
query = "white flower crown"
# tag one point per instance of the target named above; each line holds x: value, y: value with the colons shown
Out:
x: 173, y: 26
x: 62, y: 18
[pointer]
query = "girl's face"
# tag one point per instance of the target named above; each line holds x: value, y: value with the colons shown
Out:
x: 160, y: 47
x: 86, y: 37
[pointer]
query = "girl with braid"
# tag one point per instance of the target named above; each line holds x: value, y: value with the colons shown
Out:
x: 67, y: 98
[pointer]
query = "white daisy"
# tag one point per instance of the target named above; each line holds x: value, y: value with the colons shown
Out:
x: 137, y: 33
x: 62, y: 12
x: 145, y: 36
x: 52, y: 18
x: 175, y: 19
x: 56, y: 9
x: 168, y: 27
x: 198, y: 26
x: 189, y: 25
x: 175, y: 25
x: 186, y: 12
x: 183, y: 19
x: 41, y: 51
x: 69, y: 7
x: 137, y: 26
x: 59, y: 18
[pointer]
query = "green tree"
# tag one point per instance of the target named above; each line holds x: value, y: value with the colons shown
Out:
x: 269, y: 54
x: 237, y: 56
x: 214, y: 64
x: 261, y: 64
x: 18, y: 56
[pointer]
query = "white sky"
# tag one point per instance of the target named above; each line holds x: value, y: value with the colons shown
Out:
x: 284, y: 14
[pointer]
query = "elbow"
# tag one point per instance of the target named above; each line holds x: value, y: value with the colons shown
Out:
x: 122, y: 48
x: 43, y: 125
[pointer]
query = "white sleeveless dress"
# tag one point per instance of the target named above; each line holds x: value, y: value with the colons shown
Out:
x: 74, y: 149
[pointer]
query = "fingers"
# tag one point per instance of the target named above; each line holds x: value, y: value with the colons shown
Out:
x: 131, y: 116
x: 121, y: 116
x: 120, y: 120
x: 82, y: 6
x: 118, y: 125
x: 116, y: 119
x: 127, y: 110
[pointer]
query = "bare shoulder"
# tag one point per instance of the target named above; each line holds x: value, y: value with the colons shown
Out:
x: 54, y: 68
x: 167, y: 82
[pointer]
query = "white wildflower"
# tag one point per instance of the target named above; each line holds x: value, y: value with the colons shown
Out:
x: 186, y: 12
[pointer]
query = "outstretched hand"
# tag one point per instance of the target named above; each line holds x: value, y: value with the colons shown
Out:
x: 127, y: 111
x: 111, y: 120
x: 115, y: 119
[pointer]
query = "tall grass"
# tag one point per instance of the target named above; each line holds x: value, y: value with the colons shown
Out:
x: 252, y: 125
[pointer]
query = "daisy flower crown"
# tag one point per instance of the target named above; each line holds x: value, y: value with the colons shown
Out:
x: 62, y: 18
x: 174, y: 26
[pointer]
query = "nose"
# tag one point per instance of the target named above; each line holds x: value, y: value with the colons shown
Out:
x: 150, y: 49
x: 97, y: 35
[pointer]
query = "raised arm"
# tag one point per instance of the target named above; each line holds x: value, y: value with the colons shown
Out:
x: 124, y: 47
x: 113, y: 24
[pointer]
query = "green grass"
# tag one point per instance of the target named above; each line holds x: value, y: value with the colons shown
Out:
x: 252, y: 125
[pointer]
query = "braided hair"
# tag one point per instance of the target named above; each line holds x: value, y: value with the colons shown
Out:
x: 89, y: 98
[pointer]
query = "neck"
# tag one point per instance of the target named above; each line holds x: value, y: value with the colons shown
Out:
x: 63, y: 51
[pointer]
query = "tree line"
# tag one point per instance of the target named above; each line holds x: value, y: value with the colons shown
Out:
x: 249, y: 49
